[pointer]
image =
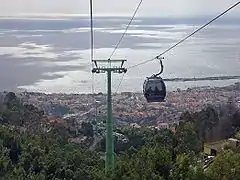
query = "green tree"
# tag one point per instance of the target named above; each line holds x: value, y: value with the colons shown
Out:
x: 226, y: 166
x: 187, y: 139
x: 5, y: 162
x: 148, y: 163
x: 87, y: 129
x: 187, y: 166
x: 237, y: 135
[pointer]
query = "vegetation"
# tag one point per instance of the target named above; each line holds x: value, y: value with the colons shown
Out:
x: 225, y: 166
x: 148, y: 154
x: 213, y: 124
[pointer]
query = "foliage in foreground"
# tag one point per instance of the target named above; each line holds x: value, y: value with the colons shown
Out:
x: 39, y: 157
x: 150, y: 154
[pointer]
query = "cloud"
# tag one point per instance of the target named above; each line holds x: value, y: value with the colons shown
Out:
x: 29, y: 50
x: 149, y: 7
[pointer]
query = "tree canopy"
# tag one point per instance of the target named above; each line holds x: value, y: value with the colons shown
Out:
x: 147, y: 154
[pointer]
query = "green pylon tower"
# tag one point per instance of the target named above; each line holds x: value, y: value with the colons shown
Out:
x: 110, y: 155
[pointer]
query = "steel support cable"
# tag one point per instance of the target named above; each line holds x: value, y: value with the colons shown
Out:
x: 181, y: 41
x: 91, y: 41
x: 184, y: 39
x: 124, y: 33
x: 91, y: 27
x: 92, y: 55
x: 120, y: 83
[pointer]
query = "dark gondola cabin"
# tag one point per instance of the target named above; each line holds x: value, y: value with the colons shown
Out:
x: 154, y: 89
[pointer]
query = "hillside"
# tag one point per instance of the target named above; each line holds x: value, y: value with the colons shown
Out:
x: 34, y: 146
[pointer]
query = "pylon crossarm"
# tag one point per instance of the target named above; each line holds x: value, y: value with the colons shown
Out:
x: 114, y: 70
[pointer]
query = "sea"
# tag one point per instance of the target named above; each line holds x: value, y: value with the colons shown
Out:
x: 52, y: 55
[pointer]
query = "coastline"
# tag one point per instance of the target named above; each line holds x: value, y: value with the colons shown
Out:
x: 21, y: 90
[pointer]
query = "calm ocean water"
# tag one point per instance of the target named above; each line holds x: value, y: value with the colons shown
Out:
x: 52, y: 55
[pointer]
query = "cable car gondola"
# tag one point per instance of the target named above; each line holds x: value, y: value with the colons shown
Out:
x: 154, y: 88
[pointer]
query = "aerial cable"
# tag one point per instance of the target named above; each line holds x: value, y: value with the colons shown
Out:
x: 167, y: 50
x: 92, y: 55
x: 120, y: 83
x: 124, y: 33
x: 91, y: 33
x: 91, y: 41
x: 184, y: 39
x: 117, y: 45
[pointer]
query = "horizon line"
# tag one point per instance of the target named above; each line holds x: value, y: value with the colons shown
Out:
x: 67, y: 15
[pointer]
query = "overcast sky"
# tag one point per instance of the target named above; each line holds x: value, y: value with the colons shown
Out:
x: 149, y: 7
